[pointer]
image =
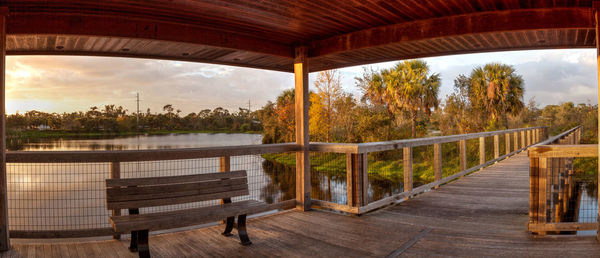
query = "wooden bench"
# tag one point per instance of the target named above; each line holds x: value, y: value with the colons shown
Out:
x: 136, y: 193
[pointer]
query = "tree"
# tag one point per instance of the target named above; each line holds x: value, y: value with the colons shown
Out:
x: 496, y: 90
x: 329, y: 90
x: 375, y: 94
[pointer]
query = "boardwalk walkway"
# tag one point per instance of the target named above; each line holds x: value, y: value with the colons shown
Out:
x: 481, y: 215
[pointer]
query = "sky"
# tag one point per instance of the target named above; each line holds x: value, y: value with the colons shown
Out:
x: 76, y: 83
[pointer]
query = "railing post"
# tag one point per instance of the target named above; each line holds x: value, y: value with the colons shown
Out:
x: 542, y: 195
x: 437, y: 162
x: 357, y: 179
x: 301, y: 115
x: 528, y: 137
x: 516, y: 141
x: 507, y: 143
x: 407, y: 163
x: 462, y: 144
x: 115, y: 172
x: 496, y: 146
x: 481, y: 150
x: 533, y: 189
x: 523, y: 141
x: 4, y: 237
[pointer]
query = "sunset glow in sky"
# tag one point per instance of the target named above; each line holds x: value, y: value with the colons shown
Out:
x: 73, y: 83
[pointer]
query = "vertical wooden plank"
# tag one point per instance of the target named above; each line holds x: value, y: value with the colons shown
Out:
x: 115, y: 172
x: 542, y: 197
x: 533, y: 189
x: 4, y: 238
x: 507, y: 143
x: 523, y: 141
x: 437, y: 162
x: 462, y: 144
x: 356, y: 181
x: 528, y: 137
x: 496, y: 146
x: 224, y: 166
x: 596, y: 8
x: 516, y: 141
x: 407, y: 163
x: 301, y: 112
x: 350, y: 181
x: 481, y: 150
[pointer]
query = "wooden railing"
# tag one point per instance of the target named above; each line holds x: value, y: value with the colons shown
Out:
x: 357, y: 163
x: 552, y: 184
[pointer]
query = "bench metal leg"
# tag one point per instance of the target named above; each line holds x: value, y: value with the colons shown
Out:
x: 133, y: 245
x: 241, y: 228
x: 229, y: 226
x: 143, y: 247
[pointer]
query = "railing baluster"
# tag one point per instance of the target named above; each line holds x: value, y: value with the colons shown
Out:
x: 496, y: 146
x: 507, y: 143
x: 523, y: 141
x: 516, y: 141
x: 115, y: 172
x: 481, y: 150
x: 542, y: 197
x: 463, y: 154
x: 408, y: 173
x: 437, y: 162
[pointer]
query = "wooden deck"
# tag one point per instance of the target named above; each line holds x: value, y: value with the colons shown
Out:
x: 483, y: 214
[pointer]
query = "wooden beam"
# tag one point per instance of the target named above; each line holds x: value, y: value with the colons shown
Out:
x: 301, y: 111
x: 407, y: 164
x: 596, y: 9
x: 563, y: 226
x: 437, y: 162
x: 4, y: 238
x: 564, y: 151
x: 474, y: 23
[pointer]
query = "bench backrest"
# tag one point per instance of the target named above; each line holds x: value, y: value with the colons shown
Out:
x: 131, y: 193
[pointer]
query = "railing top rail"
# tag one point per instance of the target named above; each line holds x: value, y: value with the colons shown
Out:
x: 552, y: 139
x: 398, y: 144
x: 564, y: 151
x: 145, y: 155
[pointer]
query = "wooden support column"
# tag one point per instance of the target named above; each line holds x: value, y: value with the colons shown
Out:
x: 4, y: 239
x: 462, y: 146
x: 542, y: 195
x: 496, y: 146
x: 437, y: 162
x: 115, y: 172
x: 357, y: 179
x: 507, y: 143
x: 407, y: 163
x: 533, y: 189
x: 481, y: 150
x: 596, y: 8
x: 301, y: 112
x: 516, y: 141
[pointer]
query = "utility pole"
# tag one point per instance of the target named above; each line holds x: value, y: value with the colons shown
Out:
x: 137, y: 100
x: 248, y: 106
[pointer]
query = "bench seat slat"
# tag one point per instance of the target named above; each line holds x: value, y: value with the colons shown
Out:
x: 173, y: 179
x: 173, y: 190
x: 176, y: 200
x: 183, y: 218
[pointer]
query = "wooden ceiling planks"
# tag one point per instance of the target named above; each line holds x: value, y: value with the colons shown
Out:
x: 263, y: 34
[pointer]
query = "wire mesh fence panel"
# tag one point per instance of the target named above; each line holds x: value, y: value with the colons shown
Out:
x: 472, y: 153
x: 57, y: 196
x: 450, y: 158
x: 386, y: 174
x: 585, y: 186
x: 489, y: 148
x: 328, y: 177
x: 423, y: 165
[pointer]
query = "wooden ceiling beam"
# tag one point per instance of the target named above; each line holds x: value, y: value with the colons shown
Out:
x: 110, y: 26
x: 475, y: 23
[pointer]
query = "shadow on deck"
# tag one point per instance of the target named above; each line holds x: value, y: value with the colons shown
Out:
x: 483, y: 214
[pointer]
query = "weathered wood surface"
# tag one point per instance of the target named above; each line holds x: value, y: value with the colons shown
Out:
x: 481, y: 215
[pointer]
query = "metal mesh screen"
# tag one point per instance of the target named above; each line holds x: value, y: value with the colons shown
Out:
x: 72, y: 196
x: 328, y: 177
x: 423, y: 165
x: 450, y: 158
x: 386, y: 174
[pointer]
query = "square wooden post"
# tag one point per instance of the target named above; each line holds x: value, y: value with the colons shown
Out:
x: 507, y: 143
x: 528, y: 137
x: 4, y: 238
x: 301, y: 111
x: 523, y: 141
x: 462, y: 146
x: 516, y: 141
x: 357, y: 179
x: 596, y: 8
x: 115, y: 172
x: 496, y: 146
x: 437, y: 162
x: 407, y: 163
x: 481, y: 150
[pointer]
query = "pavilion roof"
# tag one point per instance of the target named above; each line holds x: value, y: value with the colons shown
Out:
x: 264, y: 33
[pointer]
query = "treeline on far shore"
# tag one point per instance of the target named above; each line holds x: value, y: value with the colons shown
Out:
x: 115, y: 120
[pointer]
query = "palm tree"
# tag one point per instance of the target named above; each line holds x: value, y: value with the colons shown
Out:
x: 374, y: 92
x: 497, y: 90
x: 411, y: 88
